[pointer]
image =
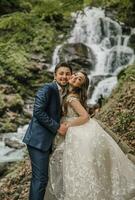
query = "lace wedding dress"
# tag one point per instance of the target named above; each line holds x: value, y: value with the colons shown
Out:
x: 89, y: 165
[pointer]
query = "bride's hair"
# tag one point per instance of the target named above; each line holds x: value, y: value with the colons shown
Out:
x: 80, y: 91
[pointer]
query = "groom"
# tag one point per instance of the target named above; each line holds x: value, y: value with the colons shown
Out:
x: 43, y: 127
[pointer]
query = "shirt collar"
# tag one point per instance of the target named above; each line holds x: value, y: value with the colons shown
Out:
x: 59, y: 87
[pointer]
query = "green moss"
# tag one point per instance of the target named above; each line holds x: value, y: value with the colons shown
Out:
x: 127, y: 75
x: 16, y: 103
x: 7, y: 126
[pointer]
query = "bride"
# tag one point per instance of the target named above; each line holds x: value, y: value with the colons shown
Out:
x: 87, y: 164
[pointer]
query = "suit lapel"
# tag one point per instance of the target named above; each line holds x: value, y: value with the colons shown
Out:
x: 57, y: 93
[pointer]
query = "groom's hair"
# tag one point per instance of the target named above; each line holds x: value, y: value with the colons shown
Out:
x: 64, y: 64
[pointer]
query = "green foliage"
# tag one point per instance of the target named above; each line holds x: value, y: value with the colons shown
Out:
x: 128, y: 74
x: 7, y: 126
x: 44, y: 39
x: 123, y: 121
x: 48, y: 7
x: 13, y: 60
x: 51, y: 7
x: 10, y: 6
x: 9, y: 2
x: 16, y: 22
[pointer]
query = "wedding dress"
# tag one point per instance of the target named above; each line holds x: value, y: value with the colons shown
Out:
x: 89, y: 165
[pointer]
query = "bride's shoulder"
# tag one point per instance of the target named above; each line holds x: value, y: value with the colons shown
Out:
x: 72, y: 97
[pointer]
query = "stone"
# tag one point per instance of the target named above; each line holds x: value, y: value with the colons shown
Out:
x: 78, y: 56
x: 131, y: 42
x: 13, y: 143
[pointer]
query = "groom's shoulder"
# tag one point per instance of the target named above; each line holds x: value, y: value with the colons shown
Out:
x: 47, y: 87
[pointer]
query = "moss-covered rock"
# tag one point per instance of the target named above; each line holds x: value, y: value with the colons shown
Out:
x: 14, y: 102
x: 7, y: 126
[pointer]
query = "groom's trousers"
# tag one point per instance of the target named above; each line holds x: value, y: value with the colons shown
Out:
x: 39, y: 162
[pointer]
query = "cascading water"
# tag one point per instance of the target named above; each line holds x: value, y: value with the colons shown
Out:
x: 55, y: 57
x: 105, y: 39
x: 8, y: 154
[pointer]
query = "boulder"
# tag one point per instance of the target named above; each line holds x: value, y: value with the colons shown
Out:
x: 78, y: 55
x: 131, y: 42
x: 13, y: 143
x: 36, y: 67
x: 94, y: 81
x: 14, y: 102
x: 117, y: 59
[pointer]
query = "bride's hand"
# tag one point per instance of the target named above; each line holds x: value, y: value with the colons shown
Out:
x: 68, y: 124
x: 62, y: 129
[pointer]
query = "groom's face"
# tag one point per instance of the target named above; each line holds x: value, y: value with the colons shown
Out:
x: 62, y: 75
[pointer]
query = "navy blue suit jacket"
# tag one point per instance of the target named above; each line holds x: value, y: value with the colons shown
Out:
x: 46, y: 118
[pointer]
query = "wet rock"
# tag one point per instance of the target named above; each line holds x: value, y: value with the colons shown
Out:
x: 13, y: 143
x: 97, y: 78
x: 111, y: 13
x: 125, y: 30
x: 78, y: 55
x: 131, y: 42
x: 117, y: 59
x: 38, y: 58
x: 36, y: 67
x: 3, y: 168
x: 94, y: 81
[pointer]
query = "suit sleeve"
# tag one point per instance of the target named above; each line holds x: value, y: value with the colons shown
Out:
x: 40, y: 105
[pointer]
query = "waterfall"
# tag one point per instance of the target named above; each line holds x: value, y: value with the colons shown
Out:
x: 104, y: 37
x: 55, y: 57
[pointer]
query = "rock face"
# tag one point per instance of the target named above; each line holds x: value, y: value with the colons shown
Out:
x: 78, y: 55
x: 132, y: 41
x: 114, y: 61
x: 94, y: 82
x: 13, y: 143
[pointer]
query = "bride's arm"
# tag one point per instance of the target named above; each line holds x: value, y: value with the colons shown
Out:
x: 80, y: 110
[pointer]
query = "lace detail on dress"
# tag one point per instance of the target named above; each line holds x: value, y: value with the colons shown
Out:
x: 71, y: 114
x: 70, y: 111
x: 89, y: 165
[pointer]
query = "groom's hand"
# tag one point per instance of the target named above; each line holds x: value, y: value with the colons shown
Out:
x: 62, y: 129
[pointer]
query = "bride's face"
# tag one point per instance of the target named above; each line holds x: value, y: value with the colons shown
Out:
x: 77, y: 80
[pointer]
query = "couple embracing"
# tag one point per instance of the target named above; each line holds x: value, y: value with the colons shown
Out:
x: 86, y: 163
